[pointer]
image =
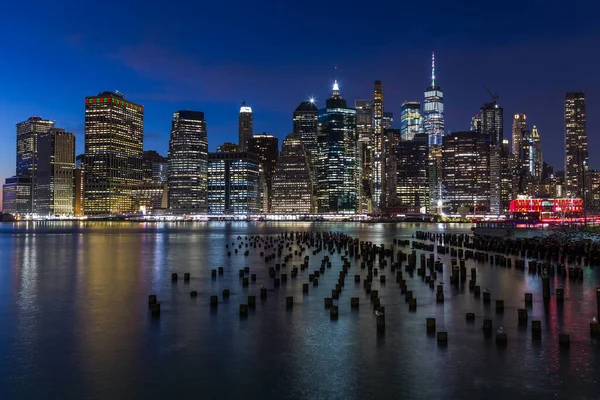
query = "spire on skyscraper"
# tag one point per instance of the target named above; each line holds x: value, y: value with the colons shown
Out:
x: 433, y: 69
x: 336, y: 90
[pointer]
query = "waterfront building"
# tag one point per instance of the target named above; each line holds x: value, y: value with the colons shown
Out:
x: 364, y: 130
x: 466, y: 172
x: 433, y: 109
x: 411, y: 120
x: 233, y: 183
x: 113, y: 164
x: 337, y: 161
x: 576, y: 146
x: 378, y: 201
x: 27, y: 159
x: 54, y: 173
x: 293, y: 181
x: 266, y: 147
x: 78, y: 186
x: 245, y: 128
x: 412, y: 188
x: 188, y: 163
x: 492, y: 126
x: 16, y: 195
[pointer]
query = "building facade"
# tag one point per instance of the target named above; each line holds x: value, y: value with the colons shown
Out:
x: 466, y: 173
x: 306, y: 125
x: 411, y: 120
x: 492, y: 126
x: 518, y: 126
x: 378, y: 201
x: 16, y: 195
x: 266, y: 147
x: 576, y: 146
x: 337, y: 161
x: 114, y: 143
x: 433, y: 110
x: 364, y: 130
x: 245, y: 126
x: 54, y: 173
x: 233, y: 183
x: 27, y: 159
x: 293, y: 181
x: 412, y: 188
x: 188, y: 163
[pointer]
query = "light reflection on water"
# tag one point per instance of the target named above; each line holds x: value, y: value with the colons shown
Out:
x: 75, y: 324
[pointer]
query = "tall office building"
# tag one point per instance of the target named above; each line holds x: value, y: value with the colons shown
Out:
x: 266, y: 147
x: 433, y: 109
x: 114, y: 142
x: 152, y: 193
x: 492, y: 126
x: 412, y: 190
x: 16, y: 195
x: 390, y: 145
x: 364, y: 130
x: 228, y: 147
x: 466, y: 172
x: 188, y: 163
x: 233, y: 183
x: 337, y: 161
x: 54, y: 173
x: 293, y: 180
x: 518, y: 126
x: 411, y: 121
x: 537, y: 160
x: 576, y: 147
x: 378, y: 148
x: 306, y: 124
x: 27, y: 157
x: 245, y: 127
x: 78, y: 186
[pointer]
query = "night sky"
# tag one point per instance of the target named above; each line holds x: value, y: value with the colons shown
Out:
x: 211, y: 55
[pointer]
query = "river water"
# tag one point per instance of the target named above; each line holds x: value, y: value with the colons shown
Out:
x: 74, y: 322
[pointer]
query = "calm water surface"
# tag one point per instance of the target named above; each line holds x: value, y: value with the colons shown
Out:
x: 74, y: 323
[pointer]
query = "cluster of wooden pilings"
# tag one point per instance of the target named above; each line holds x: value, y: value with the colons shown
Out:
x: 288, y: 256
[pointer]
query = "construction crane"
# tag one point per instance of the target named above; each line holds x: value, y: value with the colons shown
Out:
x: 495, y: 97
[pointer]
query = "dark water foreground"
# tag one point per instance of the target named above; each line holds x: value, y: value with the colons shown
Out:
x: 74, y: 322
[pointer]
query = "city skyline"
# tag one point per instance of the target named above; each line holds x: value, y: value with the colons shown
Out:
x: 171, y: 68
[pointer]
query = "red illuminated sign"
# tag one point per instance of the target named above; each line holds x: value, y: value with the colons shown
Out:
x: 546, y: 205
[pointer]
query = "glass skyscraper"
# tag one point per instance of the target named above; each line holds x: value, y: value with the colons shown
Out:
x: 433, y: 109
x: 245, y: 128
x: 337, y: 161
x: 364, y: 129
x: 411, y: 120
x: 306, y: 124
x: 188, y: 163
x: 576, y: 146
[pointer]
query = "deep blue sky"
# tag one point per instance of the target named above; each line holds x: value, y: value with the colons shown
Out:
x: 211, y: 55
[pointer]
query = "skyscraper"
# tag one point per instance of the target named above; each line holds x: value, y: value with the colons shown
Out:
x: 411, y: 121
x: 378, y: 143
x: 537, y: 160
x: 466, y: 172
x: 155, y: 166
x: 337, y: 160
x: 188, y: 163
x: 306, y: 124
x: 233, y: 183
x: 412, y: 189
x: 492, y: 126
x: 364, y: 130
x: 54, y: 173
x: 576, y: 148
x: 266, y: 147
x: 519, y: 125
x: 433, y: 109
x: 27, y: 157
x: 114, y: 142
x: 293, y: 180
x: 388, y: 120
x: 245, y: 127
